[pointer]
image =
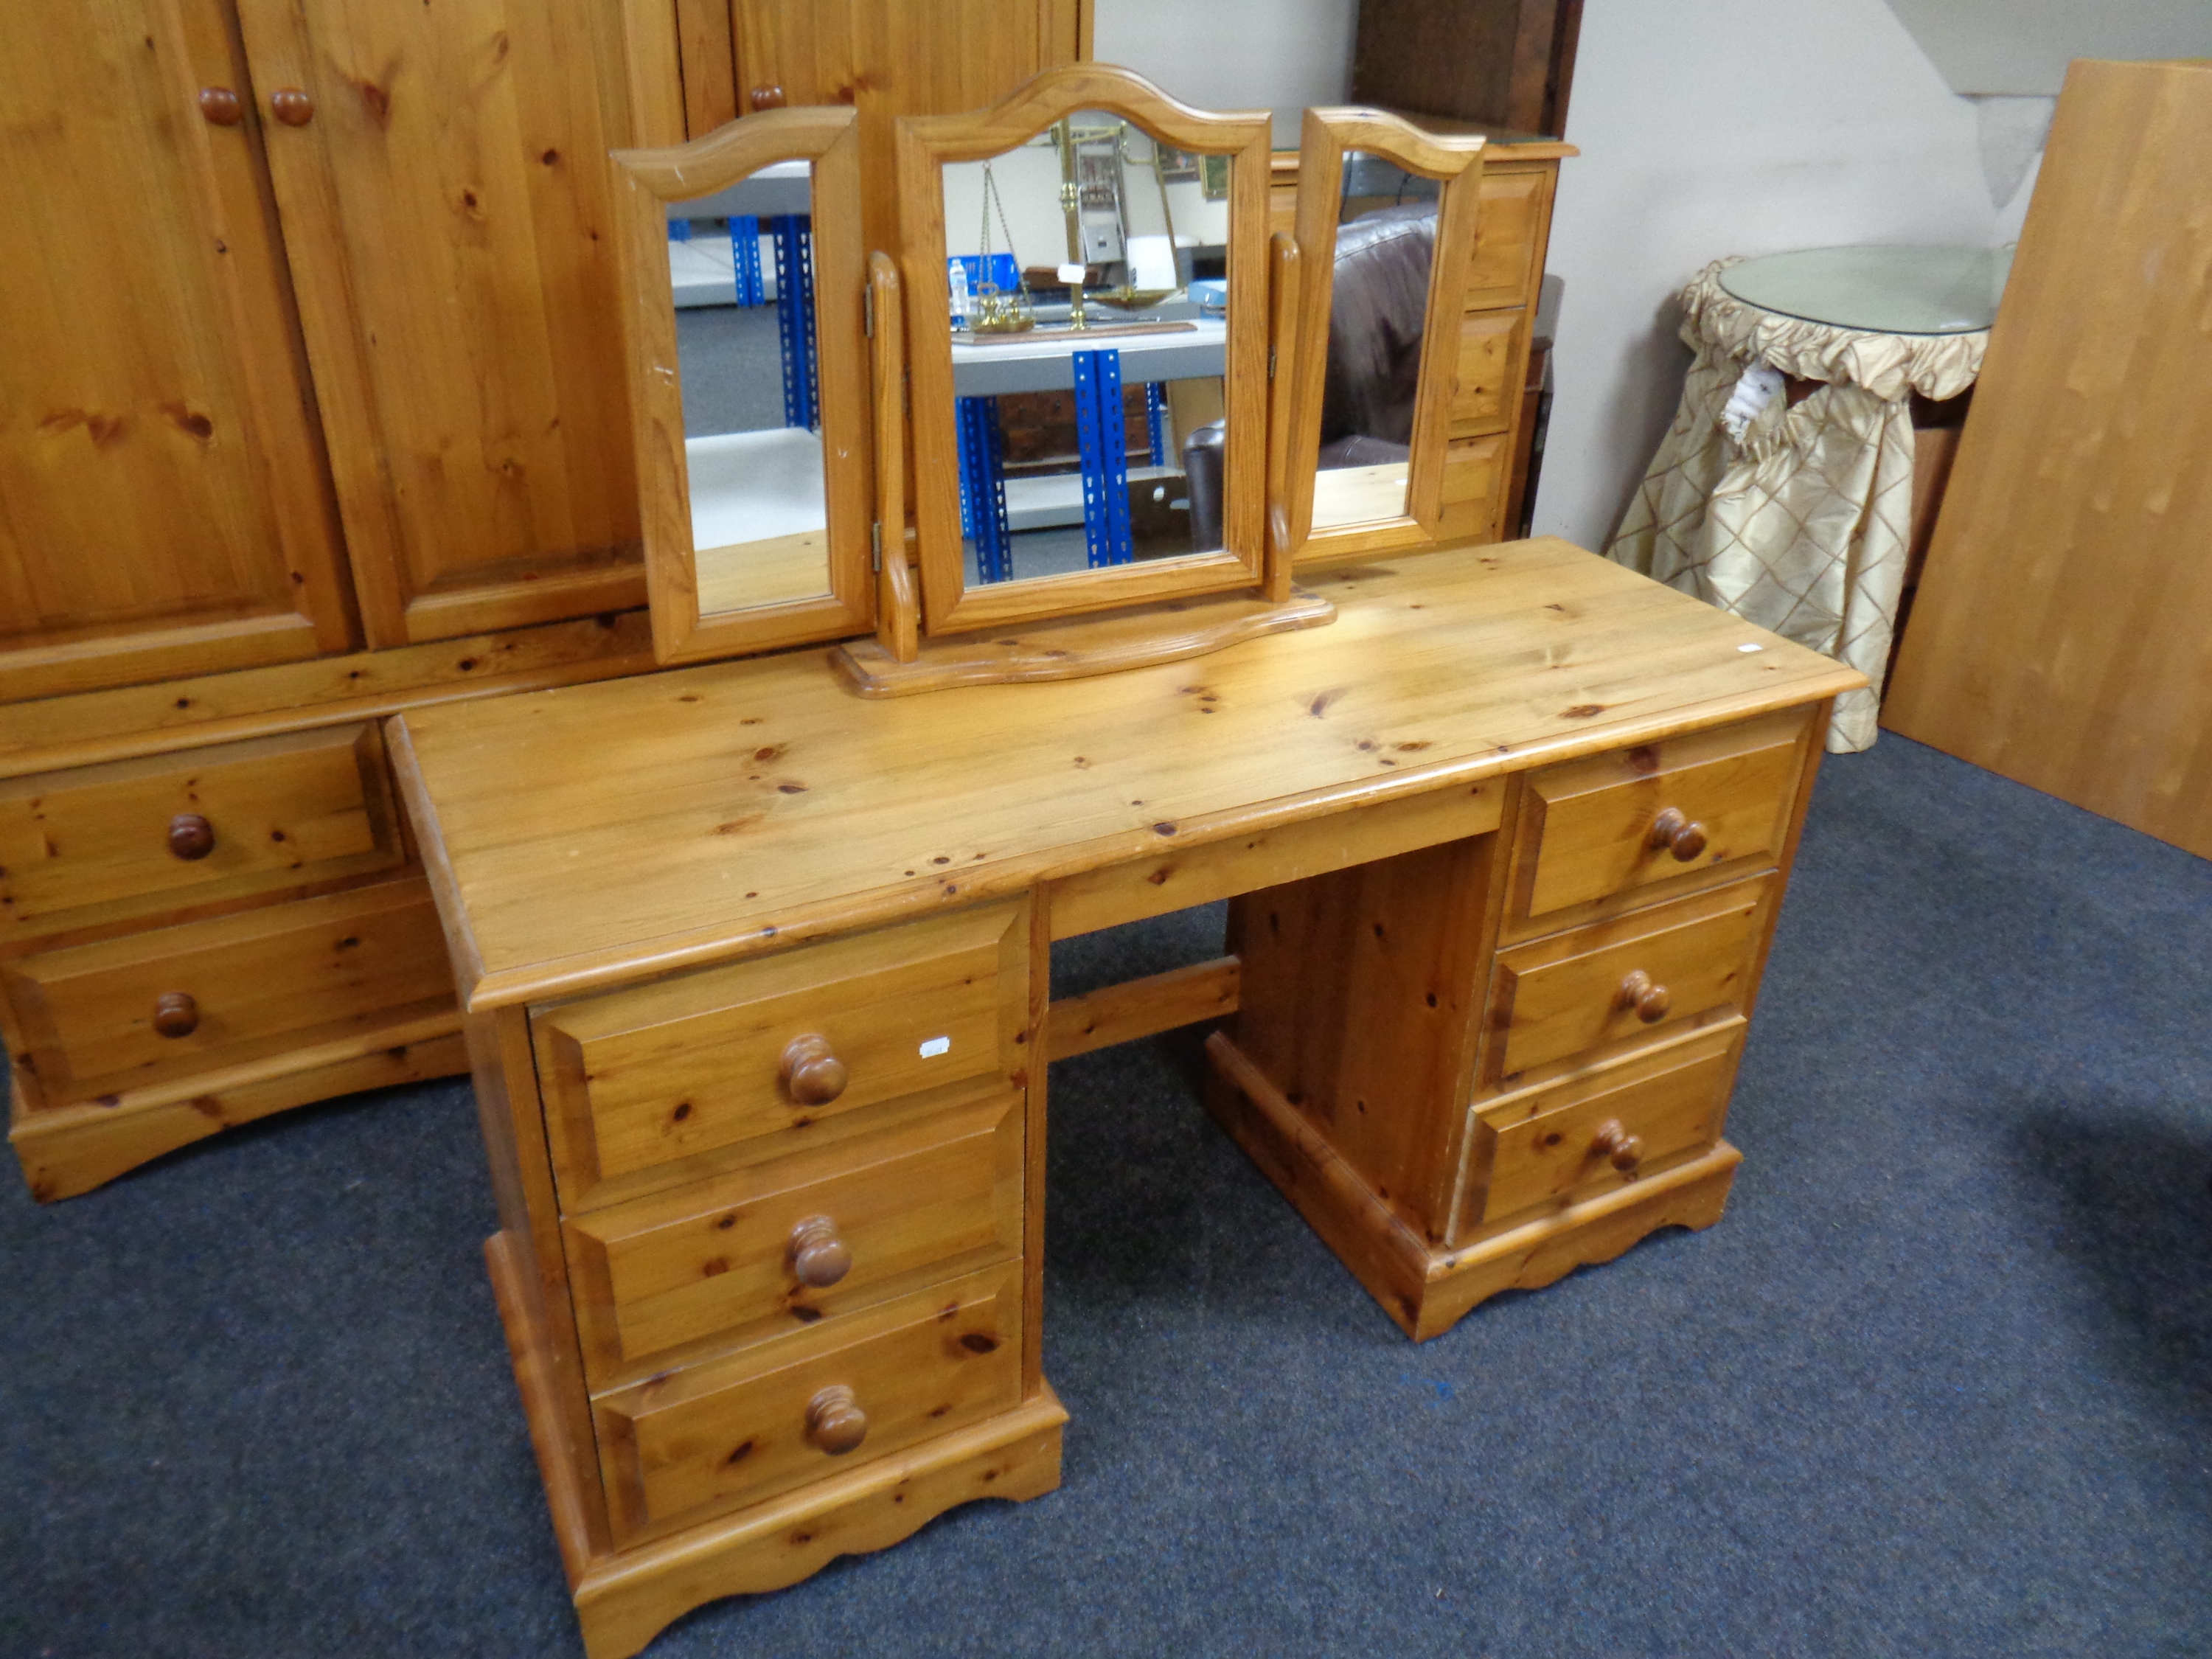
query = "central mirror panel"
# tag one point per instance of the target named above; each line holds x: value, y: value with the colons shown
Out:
x: 1087, y: 308
x: 1089, y: 271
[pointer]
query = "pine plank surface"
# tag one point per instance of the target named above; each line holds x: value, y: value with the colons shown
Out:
x: 584, y: 835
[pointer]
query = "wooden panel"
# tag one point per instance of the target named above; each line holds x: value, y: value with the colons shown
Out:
x: 717, y: 1437
x: 1517, y: 215
x: 285, y: 976
x: 445, y: 212
x: 2062, y: 632
x: 1563, y: 996
x: 1143, y: 1007
x: 1487, y: 381
x: 1360, y: 1002
x: 1508, y: 64
x: 1587, y: 829
x: 94, y: 843
x: 71, y: 1151
x: 743, y: 807
x: 1546, y: 1145
x: 890, y: 57
x: 163, y: 507
x: 650, y: 1077
x: 1474, y: 483
x: 707, y: 44
x: 715, y: 1260
x: 1199, y: 875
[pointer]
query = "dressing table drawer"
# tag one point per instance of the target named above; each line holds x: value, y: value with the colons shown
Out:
x: 1654, y: 970
x: 777, y: 1248
x: 1560, y: 1143
x: 1639, y: 818
x: 714, y: 1438
x: 97, y: 844
x: 650, y: 1087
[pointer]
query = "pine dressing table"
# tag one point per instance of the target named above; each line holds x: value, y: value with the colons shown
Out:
x: 754, y: 956
x: 1482, y: 1030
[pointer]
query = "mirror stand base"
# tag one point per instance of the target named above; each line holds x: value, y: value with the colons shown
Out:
x: 1076, y: 648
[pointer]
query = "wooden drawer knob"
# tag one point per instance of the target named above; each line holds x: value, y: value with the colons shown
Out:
x: 812, y: 1075
x: 221, y: 107
x: 1614, y: 1142
x: 834, y: 1422
x: 190, y: 836
x: 175, y: 1014
x: 766, y: 98
x: 293, y: 107
x: 818, y: 1256
x: 1675, y: 832
x: 1647, y: 996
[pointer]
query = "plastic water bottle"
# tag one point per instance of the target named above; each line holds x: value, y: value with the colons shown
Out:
x: 959, y: 293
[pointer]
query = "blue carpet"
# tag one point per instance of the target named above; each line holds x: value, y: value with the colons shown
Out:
x: 1941, y: 1384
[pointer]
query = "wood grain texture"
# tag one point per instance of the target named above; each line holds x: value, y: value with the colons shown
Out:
x: 708, y: 46
x: 624, y: 1602
x: 81, y: 1022
x: 164, y: 509
x: 590, y: 834
x: 1079, y: 647
x: 717, y: 1437
x: 643, y: 183
x: 67, y: 1153
x: 2062, y: 632
x: 923, y: 144
x: 446, y: 223
x: 1143, y: 1007
x: 898, y: 589
x: 1326, y: 137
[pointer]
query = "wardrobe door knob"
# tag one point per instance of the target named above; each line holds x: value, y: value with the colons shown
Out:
x: 293, y: 107
x: 813, y: 1074
x: 834, y: 1422
x: 1678, y: 834
x: 175, y: 1014
x: 818, y: 1256
x: 766, y: 98
x: 1649, y: 998
x: 221, y: 107
x: 1614, y: 1142
x: 190, y: 836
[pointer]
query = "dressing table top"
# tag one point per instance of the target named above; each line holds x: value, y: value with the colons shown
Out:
x: 585, y: 836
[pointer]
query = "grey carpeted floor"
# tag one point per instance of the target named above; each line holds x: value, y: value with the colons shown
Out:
x: 1941, y: 1384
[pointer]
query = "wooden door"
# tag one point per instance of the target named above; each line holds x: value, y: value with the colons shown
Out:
x: 442, y: 170
x: 894, y: 58
x: 163, y: 507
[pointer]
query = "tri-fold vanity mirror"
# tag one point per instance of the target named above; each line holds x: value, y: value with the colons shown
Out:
x: 1111, y: 412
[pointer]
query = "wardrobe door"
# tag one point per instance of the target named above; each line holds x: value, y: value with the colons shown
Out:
x: 442, y: 175
x: 163, y: 507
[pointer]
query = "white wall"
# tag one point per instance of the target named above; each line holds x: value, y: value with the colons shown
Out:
x: 1279, y: 55
x: 1711, y: 127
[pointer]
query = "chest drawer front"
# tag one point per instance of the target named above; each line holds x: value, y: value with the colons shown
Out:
x: 1563, y: 1142
x: 751, y: 1055
x: 1651, y: 971
x: 777, y: 1248
x: 1618, y: 822
x: 711, y: 1438
x: 173, y: 830
x: 97, y: 1019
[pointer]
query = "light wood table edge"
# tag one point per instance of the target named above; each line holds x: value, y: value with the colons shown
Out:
x: 71, y: 1151
x: 437, y: 869
x: 1428, y: 1291
x: 564, y: 976
x: 622, y: 1604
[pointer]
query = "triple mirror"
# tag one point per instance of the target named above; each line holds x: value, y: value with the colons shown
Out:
x: 742, y: 288
x: 1086, y: 303
x: 1386, y: 226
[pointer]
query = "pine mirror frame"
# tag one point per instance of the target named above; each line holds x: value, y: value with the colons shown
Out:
x: 1326, y: 137
x: 923, y: 145
x: 644, y: 182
